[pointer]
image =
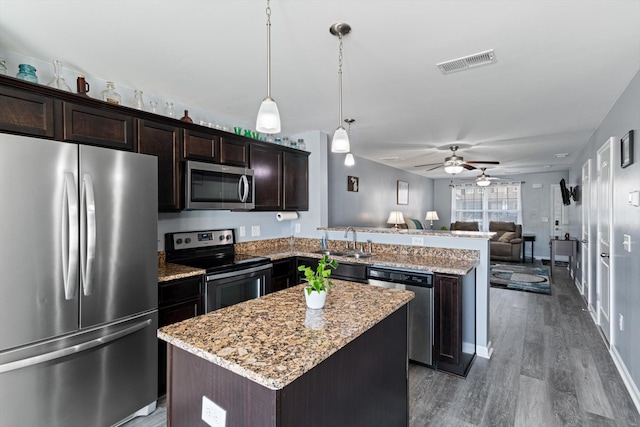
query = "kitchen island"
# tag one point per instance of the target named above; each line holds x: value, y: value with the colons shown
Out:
x: 271, y: 361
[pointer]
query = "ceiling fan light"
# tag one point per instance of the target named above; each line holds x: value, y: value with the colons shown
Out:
x: 268, y: 120
x: 453, y: 169
x: 483, y: 182
x: 349, y: 160
x: 340, y: 142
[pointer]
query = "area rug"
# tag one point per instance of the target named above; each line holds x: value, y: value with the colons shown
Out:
x: 520, y: 278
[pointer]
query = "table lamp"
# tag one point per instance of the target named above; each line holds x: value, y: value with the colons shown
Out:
x: 395, y: 218
x: 431, y: 216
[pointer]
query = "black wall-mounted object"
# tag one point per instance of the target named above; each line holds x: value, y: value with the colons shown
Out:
x: 566, y: 194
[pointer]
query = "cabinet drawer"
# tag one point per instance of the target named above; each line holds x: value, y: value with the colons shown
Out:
x: 345, y: 270
x: 26, y: 113
x: 97, y: 127
x: 179, y: 290
x: 179, y: 312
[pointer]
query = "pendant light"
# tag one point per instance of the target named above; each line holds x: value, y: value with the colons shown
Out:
x: 340, y: 142
x: 268, y: 120
x: 348, y: 159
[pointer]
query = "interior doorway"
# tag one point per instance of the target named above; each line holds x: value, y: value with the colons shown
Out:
x: 585, y: 265
x: 604, y: 203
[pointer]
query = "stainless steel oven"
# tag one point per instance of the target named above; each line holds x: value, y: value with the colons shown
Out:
x: 214, y: 186
x: 225, y: 289
x: 231, y: 278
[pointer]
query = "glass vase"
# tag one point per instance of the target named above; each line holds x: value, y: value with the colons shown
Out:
x: 169, y: 110
x: 138, y: 102
x: 27, y: 72
x: 3, y: 66
x: 110, y: 95
x: 58, y: 81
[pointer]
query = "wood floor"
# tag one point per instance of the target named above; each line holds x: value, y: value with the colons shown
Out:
x: 550, y: 367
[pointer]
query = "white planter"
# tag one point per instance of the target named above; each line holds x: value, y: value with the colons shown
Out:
x: 315, y: 299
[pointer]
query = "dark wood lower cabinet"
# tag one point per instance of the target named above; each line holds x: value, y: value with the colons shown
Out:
x: 178, y: 300
x: 454, y: 303
x: 352, y: 272
x: 283, y: 274
x: 365, y: 383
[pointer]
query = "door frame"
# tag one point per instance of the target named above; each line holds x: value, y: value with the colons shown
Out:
x: 587, y: 247
x: 605, y: 149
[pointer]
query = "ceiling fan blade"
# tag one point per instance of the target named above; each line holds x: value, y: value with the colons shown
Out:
x: 428, y: 165
x: 488, y: 162
x: 468, y: 166
x: 434, y: 168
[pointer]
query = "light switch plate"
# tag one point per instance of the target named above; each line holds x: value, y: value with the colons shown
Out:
x: 297, y: 227
x: 545, y: 219
x: 417, y: 241
x: 255, y: 230
x: 626, y: 243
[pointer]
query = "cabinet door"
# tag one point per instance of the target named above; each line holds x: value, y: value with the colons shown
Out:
x: 448, y: 318
x: 26, y: 113
x: 282, y: 276
x: 296, y: 181
x: 201, y: 146
x: 234, y: 151
x: 93, y: 126
x: 267, y: 169
x: 163, y: 141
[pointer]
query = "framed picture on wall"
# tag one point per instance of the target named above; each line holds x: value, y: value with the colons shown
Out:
x: 626, y: 143
x: 403, y: 193
x: 353, y: 183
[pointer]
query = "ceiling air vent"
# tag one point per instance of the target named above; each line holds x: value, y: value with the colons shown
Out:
x: 475, y: 60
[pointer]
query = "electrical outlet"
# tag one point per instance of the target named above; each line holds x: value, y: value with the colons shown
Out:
x: 255, y: 230
x: 243, y: 231
x: 621, y: 321
x: 297, y: 227
x: 212, y: 414
x: 417, y: 241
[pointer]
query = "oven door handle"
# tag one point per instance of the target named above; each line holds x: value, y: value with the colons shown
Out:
x: 238, y: 272
x: 243, y: 188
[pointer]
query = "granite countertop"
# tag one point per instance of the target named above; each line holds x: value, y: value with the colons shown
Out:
x: 439, y: 233
x: 168, y: 271
x: 273, y: 340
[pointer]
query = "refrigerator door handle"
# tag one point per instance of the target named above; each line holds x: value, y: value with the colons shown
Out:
x: 56, y: 354
x: 69, y: 229
x: 89, y: 250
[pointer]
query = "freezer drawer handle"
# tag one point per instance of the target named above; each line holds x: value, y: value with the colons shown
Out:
x: 69, y: 238
x: 88, y: 234
x: 46, y: 357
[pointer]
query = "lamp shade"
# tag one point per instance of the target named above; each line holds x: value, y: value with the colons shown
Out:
x: 349, y: 160
x: 340, y: 142
x: 432, y: 216
x: 395, y: 218
x: 268, y: 120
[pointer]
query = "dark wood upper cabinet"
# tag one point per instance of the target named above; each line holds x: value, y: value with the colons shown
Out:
x: 94, y: 126
x: 201, y: 146
x: 164, y: 142
x: 234, y: 151
x: 266, y: 163
x: 26, y: 112
x: 296, y: 181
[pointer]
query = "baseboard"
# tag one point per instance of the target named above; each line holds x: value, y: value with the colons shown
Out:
x: 578, y: 285
x: 468, y: 347
x: 626, y: 377
x: 484, y: 351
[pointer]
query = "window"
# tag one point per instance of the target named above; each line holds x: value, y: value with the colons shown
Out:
x: 485, y: 204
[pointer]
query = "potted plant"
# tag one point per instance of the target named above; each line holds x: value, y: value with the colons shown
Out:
x: 317, y: 281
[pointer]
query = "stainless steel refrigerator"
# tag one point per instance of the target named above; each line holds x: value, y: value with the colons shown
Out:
x: 78, y: 283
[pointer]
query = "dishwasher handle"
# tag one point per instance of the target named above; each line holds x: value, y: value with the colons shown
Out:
x: 410, y: 278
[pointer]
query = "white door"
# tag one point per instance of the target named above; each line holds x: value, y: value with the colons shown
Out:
x: 603, y: 300
x: 586, y: 226
x: 558, y: 216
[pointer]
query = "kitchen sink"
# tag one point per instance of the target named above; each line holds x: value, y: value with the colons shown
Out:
x: 358, y: 255
x: 327, y: 252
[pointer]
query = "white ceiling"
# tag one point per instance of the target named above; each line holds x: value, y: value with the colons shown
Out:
x: 560, y: 67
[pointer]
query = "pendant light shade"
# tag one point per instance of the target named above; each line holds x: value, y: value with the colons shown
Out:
x: 340, y: 142
x: 268, y: 117
x: 268, y: 120
x: 349, y: 160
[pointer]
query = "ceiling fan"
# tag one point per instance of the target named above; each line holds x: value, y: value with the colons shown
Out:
x: 454, y: 163
x: 483, y: 179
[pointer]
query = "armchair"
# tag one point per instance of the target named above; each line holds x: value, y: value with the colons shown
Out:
x: 505, y: 244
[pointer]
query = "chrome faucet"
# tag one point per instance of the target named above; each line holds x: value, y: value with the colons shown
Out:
x: 346, y: 233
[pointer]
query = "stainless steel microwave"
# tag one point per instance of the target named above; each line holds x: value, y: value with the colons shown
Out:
x: 213, y: 186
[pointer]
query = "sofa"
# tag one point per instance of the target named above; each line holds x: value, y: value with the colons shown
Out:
x: 505, y: 244
x: 464, y: 226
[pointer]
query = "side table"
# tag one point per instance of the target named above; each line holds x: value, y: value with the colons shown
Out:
x: 527, y: 238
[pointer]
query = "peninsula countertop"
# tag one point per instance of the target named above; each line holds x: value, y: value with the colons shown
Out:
x: 273, y: 340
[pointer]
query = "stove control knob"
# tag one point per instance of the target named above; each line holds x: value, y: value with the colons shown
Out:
x: 221, y: 238
x: 187, y: 240
x: 178, y: 241
x: 228, y: 236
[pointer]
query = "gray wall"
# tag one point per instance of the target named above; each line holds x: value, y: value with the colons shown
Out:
x: 623, y: 116
x: 370, y: 206
x: 536, y: 205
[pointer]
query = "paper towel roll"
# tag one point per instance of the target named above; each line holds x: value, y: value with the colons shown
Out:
x: 286, y: 216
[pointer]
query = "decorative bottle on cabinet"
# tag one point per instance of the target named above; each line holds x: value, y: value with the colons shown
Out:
x: 27, y: 72
x: 110, y: 95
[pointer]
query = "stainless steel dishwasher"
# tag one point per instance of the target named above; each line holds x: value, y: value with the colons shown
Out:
x: 420, y: 309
